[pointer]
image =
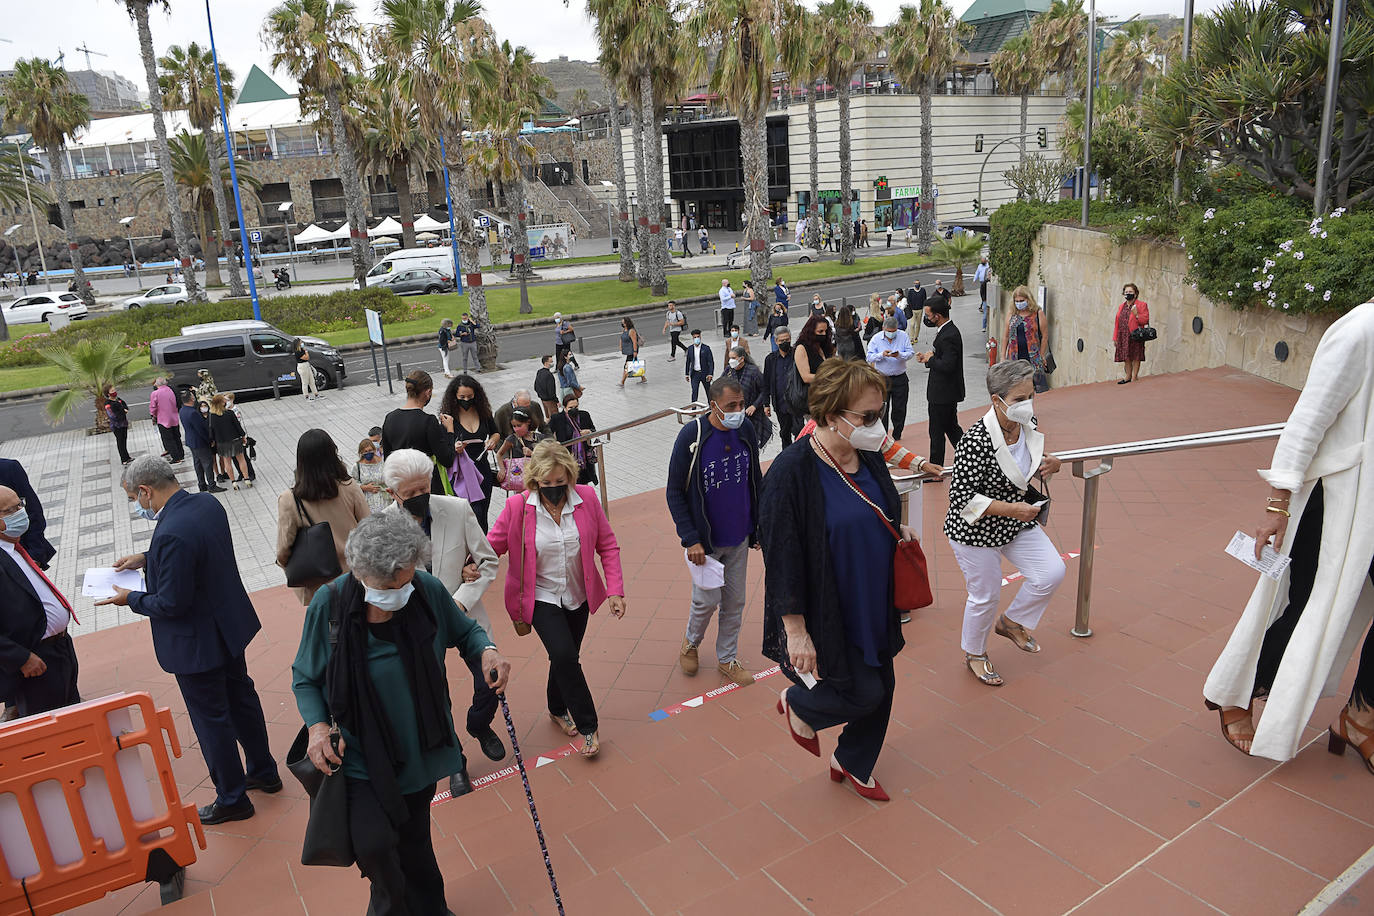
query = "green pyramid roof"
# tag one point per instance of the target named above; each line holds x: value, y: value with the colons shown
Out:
x: 992, y: 8
x: 259, y: 87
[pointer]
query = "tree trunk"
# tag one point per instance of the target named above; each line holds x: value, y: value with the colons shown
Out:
x: 624, y: 231
x: 958, y: 288
x: 653, y: 166
x: 813, y: 220
x: 847, y: 239
x: 1025, y: 106
x: 468, y: 249
x: 102, y: 419
x: 925, y: 226
x: 213, y: 142
x: 754, y: 153
x: 519, y: 218
x: 400, y: 178
x: 352, y: 188
x: 164, y: 156
x: 641, y: 193
x: 209, y: 249
x: 64, y: 206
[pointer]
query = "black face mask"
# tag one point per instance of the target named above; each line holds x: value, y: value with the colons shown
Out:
x: 417, y: 506
x: 1130, y: 297
x: 926, y: 320
x: 554, y: 496
x: 465, y: 403
x: 784, y: 346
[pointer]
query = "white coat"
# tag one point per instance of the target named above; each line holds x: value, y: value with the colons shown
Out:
x: 1329, y: 437
x: 455, y: 536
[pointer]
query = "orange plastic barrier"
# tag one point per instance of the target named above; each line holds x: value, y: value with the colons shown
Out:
x: 79, y: 817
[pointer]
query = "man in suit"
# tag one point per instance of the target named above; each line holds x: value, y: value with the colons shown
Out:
x: 889, y: 352
x: 546, y: 386
x: 197, y: 432
x: 37, y: 658
x: 777, y: 369
x: 945, y: 387
x: 915, y: 299
x: 12, y: 475
x: 520, y: 401
x: 202, y: 622
x: 701, y: 364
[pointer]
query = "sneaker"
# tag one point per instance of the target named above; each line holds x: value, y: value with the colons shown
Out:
x: 736, y: 672
x: 688, y: 658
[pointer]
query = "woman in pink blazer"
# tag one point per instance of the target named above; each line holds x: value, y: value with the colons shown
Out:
x: 553, y: 533
x: 1132, y: 315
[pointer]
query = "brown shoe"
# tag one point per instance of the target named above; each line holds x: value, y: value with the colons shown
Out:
x: 736, y: 672
x: 688, y: 658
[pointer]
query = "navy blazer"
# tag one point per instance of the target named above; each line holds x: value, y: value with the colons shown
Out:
x: 199, y: 610
x: 12, y: 475
x: 22, y: 622
x: 708, y: 362
x: 194, y: 427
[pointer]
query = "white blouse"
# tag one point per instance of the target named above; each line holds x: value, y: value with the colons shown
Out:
x: 558, y: 555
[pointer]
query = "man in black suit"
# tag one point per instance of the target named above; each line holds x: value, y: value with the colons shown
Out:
x: 945, y: 387
x: 37, y: 658
x: 12, y: 475
x: 777, y: 368
x: 202, y: 622
x: 701, y: 365
x: 915, y: 300
x: 546, y: 386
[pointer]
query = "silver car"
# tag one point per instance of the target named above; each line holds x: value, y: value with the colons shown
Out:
x: 170, y: 294
x: 779, y: 253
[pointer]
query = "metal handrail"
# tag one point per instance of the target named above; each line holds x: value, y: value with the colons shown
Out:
x: 1105, y: 455
x: 599, y: 437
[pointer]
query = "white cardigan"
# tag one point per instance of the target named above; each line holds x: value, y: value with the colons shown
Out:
x: 455, y: 535
x: 1329, y: 437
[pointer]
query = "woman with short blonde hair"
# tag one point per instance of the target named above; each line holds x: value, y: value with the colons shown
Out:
x: 1025, y: 337
x: 226, y: 432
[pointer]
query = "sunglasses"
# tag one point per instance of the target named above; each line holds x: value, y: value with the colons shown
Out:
x: 869, y: 417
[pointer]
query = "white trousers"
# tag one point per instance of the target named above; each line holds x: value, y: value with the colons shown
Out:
x: 443, y: 358
x: 1038, y: 561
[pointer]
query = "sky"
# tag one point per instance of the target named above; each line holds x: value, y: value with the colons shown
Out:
x: 547, y: 27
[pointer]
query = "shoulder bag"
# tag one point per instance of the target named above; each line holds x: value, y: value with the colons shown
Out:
x: 521, y: 627
x: 1144, y: 333
x: 910, y: 577
x: 797, y: 392
x: 313, y: 557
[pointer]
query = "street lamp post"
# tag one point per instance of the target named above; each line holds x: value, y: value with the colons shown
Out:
x: 284, y: 209
x: 1088, y: 111
x: 37, y: 240
x: 452, y: 228
x: 127, y: 223
x: 1333, y: 81
x: 1187, y: 52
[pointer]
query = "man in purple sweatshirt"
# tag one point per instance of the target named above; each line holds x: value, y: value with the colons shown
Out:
x: 162, y: 407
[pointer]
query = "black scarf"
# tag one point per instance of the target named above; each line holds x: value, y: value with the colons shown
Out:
x: 353, y: 698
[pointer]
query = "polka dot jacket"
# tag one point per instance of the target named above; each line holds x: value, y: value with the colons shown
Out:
x: 984, y: 471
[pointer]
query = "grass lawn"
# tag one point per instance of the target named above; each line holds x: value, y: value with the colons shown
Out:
x: 559, y: 262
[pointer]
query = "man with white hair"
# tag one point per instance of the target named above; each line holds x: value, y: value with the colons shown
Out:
x: 162, y: 407
x: 461, y: 559
x: 519, y: 401
x: 727, y: 308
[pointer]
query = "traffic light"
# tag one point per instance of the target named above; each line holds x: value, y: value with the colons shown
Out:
x: 978, y: 143
x: 1042, y: 139
x: 976, y: 209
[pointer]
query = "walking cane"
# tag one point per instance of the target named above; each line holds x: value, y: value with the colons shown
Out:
x: 529, y: 796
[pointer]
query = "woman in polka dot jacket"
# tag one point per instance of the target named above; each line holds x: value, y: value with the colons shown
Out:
x: 990, y: 517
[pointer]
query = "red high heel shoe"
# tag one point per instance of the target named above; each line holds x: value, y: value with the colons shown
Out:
x: 812, y: 744
x: 873, y: 793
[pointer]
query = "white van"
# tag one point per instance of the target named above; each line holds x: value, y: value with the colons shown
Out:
x: 439, y: 258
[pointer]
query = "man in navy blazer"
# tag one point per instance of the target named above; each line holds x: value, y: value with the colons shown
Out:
x: 701, y: 364
x: 202, y: 622
x: 12, y: 475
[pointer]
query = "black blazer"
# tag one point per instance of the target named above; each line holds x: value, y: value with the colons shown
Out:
x: 22, y: 622
x: 946, y: 383
x: 708, y: 362
x: 12, y: 475
x: 199, y: 610
x: 545, y: 386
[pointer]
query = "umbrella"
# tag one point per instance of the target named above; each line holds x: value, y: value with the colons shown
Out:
x: 384, y: 242
x: 426, y: 236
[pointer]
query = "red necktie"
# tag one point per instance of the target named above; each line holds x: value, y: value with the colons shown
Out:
x: 61, y: 599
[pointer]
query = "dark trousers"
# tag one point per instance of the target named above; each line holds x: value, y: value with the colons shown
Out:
x: 862, y: 705
x: 225, y: 713
x: 484, y: 702
x: 482, y: 508
x: 121, y: 435
x: 1302, y: 574
x: 204, y: 461
x: 559, y: 350
x: 894, y: 406
x: 727, y: 320
x: 698, y: 380
x: 171, y: 441
x: 675, y: 343
x: 944, y: 424
x: 398, y: 860
x: 787, y: 426
x: 561, y: 631
x: 55, y: 687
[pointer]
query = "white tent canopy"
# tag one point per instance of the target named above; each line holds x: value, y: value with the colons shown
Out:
x: 314, y: 233
x: 387, y: 226
x: 427, y: 223
x: 341, y: 233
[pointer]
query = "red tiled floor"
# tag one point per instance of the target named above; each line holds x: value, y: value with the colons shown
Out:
x: 1309, y: 834
x: 610, y: 840
x: 749, y: 839
x: 1014, y: 875
x: 1149, y: 796
x: 972, y: 803
x: 908, y: 840
x: 684, y: 808
x: 833, y: 876
x: 673, y: 876
x: 1144, y: 893
x: 1074, y: 828
x: 1032, y: 770
x: 935, y: 893
x: 754, y: 893
x: 1233, y: 874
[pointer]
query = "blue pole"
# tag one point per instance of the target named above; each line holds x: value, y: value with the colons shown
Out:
x: 233, y: 173
x: 452, y: 231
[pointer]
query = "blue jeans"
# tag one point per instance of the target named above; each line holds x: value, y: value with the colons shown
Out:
x: 753, y: 312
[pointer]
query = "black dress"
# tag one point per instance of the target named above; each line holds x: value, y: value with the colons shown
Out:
x: 477, y: 451
x: 563, y: 427
x: 411, y: 427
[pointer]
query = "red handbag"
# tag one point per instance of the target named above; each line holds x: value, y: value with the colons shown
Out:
x: 910, y: 577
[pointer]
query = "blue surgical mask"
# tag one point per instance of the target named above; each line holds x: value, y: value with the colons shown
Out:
x: 145, y: 513
x: 388, y: 599
x: 732, y: 419
x: 17, y: 523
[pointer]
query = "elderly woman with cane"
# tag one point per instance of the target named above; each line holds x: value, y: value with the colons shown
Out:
x: 371, y: 661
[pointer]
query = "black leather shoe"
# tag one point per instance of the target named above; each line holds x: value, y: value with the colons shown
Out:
x: 491, y: 744
x: 214, y: 489
x: 215, y: 813
x: 459, y: 784
x: 270, y: 788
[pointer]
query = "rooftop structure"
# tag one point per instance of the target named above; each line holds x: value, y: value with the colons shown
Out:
x: 996, y: 22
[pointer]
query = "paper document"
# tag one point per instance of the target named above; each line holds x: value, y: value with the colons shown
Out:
x: 1271, y: 562
x: 101, y: 580
x: 810, y: 680
x: 710, y: 574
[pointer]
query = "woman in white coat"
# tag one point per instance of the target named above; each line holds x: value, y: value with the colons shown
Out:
x: 1292, y: 644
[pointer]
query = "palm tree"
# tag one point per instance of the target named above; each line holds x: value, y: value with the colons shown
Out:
x: 40, y: 94
x: 740, y: 35
x: 138, y: 12
x: 392, y: 142
x: 1129, y: 59
x: 960, y: 249
x: 12, y: 166
x: 797, y: 47
x: 92, y: 367
x: 316, y: 41
x: 624, y: 231
x: 925, y: 42
x: 188, y: 81
x: 194, y: 169
x: 1059, y: 36
x: 845, y: 29
x: 1018, y: 73
x: 580, y: 101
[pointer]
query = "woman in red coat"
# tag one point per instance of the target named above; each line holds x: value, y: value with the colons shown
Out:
x: 1132, y: 314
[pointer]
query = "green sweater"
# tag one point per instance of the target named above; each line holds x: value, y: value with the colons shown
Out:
x: 416, y: 769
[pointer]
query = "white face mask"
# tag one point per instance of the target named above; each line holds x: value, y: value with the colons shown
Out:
x: 388, y: 599
x: 866, y: 438
x: 736, y: 363
x: 1022, y: 412
x: 890, y: 335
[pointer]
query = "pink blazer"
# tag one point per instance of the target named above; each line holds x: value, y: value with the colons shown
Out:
x: 516, y: 523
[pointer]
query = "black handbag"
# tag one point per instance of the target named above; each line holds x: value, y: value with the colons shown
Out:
x: 797, y: 393
x: 251, y: 445
x: 327, y: 838
x: 1144, y: 333
x: 314, y: 559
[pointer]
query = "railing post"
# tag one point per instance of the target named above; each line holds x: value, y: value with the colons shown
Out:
x: 601, y: 476
x: 1086, y: 544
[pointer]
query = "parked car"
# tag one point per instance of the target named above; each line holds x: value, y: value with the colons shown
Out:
x: 171, y: 294
x: 243, y: 356
x: 780, y: 253
x: 421, y: 280
x: 404, y: 259
x: 37, y: 308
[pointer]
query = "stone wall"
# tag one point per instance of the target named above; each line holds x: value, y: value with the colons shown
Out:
x: 1083, y: 272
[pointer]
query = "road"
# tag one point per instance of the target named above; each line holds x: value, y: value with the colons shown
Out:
x: 599, y: 336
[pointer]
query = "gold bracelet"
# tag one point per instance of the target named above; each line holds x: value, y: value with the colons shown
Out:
x: 1275, y: 501
x: 1284, y: 512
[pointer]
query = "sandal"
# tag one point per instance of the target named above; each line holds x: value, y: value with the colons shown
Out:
x: 989, y: 676
x: 591, y: 746
x: 1235, y: 715
x: 1017, y: 634
x: 565, y: 722
x: 1340, y: 739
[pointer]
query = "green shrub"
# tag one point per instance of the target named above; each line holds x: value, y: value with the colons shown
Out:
x: 1012, y: 239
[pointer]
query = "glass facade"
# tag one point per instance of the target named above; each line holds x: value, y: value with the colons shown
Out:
x: 706, y: 172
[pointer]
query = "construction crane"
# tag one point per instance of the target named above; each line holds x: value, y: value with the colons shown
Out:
x: 82, y: 49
